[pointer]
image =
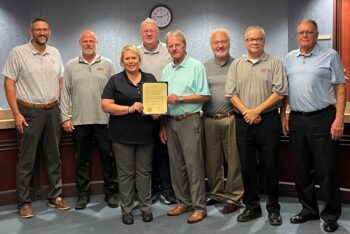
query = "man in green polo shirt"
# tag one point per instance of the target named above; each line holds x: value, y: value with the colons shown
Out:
x: 188, y: 90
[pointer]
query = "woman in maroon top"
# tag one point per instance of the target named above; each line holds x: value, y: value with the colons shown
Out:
x: 133, y: 134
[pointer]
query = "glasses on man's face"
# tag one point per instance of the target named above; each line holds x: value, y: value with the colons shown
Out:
x: 254, y: 40
x: 39, y: 30
x: 216, y: 43
x: 307, y: 33
x: 149, y: 31
x: 84, y: 42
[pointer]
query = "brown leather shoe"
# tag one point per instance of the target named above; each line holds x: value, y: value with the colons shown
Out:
x: 59, y: 203
x: 196, y: 216
x: 26, y: 211
x: 179, y: 210
x: 229, y: 208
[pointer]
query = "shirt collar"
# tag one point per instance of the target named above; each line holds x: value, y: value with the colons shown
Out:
x: 129, y: 82
x: 263, y: 57
x: 183, y: 64
x: 35, y: 51
x: 315, y: 51
x: 156, y: 51
x: 97, y: 59
x: 228, y: 60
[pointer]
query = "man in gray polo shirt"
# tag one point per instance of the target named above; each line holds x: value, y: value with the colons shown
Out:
x: 219, y: 129
x: 256, y: 85
x: 155, y: 56
x: 84, y: 80
x: 33, y: 73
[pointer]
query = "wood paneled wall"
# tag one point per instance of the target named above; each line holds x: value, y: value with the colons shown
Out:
x: 8, y: 160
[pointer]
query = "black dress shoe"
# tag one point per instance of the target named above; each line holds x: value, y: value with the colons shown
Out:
x: 154, y: 198
x: 112, y: 200
x: 275, y: 218
x: 302, y: 218
x: 211, y: 201
x: 167, y: 197
x: 147, y: 217
x: 248, y: 215
x: 330, y: 226
x: 83, y: 200
x: 128, y: 219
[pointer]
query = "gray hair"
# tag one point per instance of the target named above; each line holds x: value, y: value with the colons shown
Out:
x: 255, y: 27
x: 220, y: 30
x: 148, y: 21
x: 311, y: 21
x: 175, y: 33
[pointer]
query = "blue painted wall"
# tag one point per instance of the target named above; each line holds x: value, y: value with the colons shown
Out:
x: 320, y: 10
x: 116, y: 23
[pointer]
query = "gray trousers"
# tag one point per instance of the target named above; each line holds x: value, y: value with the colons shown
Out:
x: 44, y: 130
x: 220, y: 145
x: 186, y: 160
x: 134, y: 166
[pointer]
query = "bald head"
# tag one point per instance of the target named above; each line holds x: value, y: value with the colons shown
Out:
x: 88, y: 42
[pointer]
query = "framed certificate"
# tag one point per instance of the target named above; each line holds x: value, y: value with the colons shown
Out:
x: 154, y: 98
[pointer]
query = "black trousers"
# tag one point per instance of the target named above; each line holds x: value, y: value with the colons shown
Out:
x: 161, y: 179
x: 257, y: 147
x: 315, y: 160
x: 84, y: 137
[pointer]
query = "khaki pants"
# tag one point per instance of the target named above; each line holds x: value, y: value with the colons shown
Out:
x: 220, y: 145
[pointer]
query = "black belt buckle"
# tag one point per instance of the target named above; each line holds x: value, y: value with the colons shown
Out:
x: 311, y: 113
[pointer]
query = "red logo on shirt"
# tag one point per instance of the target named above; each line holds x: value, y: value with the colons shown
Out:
x: 264, y: 70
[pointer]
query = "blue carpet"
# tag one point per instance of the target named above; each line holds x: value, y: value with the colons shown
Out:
x: 97, y: 218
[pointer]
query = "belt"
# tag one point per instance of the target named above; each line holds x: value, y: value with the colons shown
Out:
x: 185, y: 116
x: 311, y: 113
x: 220, y: 116
x: 38, y: 106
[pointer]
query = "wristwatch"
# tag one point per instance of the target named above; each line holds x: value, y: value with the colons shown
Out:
x: 181, y: 99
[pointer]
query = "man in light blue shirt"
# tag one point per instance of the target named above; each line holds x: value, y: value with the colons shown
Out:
x: 188, y: 90
x: 317, y: 102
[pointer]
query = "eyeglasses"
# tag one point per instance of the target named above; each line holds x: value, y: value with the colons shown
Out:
x: 88, y: 41
x: 223, y: 42
x: 256, y: 40
x: 308, y: 33
x: 174, y: 45
x: 149, y: 31
x: 38, y: 30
